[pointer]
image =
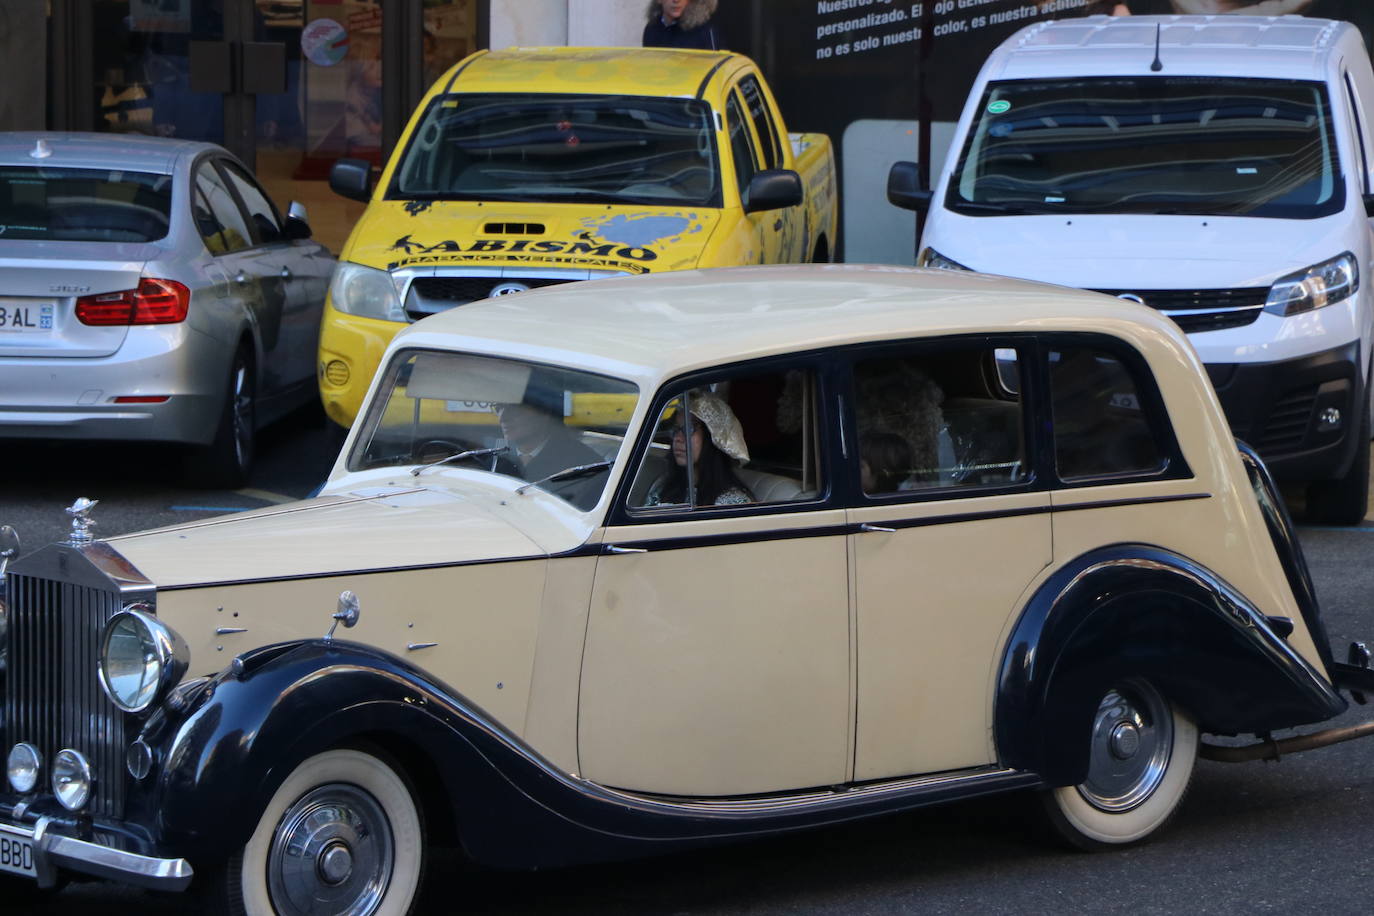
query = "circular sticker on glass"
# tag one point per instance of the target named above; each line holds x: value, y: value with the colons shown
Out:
x: 324, y: 42
x: 999, y: 107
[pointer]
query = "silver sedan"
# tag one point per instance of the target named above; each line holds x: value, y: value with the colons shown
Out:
x: 150, y: 291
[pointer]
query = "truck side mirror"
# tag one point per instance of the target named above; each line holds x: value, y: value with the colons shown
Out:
x: 904, y: 187
x: 351, y: 178
x: 773, y: 189
x: 297, y: 225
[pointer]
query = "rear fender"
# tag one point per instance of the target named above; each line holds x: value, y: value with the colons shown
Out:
x: 1137, y: 611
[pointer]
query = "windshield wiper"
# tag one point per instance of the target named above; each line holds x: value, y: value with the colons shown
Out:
x: 470, y: 453
x: 567, y: 474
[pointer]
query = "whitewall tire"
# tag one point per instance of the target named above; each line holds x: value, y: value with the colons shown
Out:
x: 342, y: 835
x: 1140, y: 764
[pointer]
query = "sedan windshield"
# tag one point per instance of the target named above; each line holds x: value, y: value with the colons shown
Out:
x: 1218, y: 146
x: 557, y: 429
x: 612, y: 149
x: 83, y: 205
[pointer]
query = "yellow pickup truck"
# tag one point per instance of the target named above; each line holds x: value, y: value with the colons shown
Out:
x: 528, y: 167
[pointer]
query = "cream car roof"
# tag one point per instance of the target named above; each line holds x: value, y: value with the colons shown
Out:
x: 656, y: 326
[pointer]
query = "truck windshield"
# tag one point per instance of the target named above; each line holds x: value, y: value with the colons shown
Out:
x: 1195, y: 145
x: 612, y: 149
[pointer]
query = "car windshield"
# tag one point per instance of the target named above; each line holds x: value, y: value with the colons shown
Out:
x: 558, y: 429
x: 611, y: 149
x: 83, y: 205
x: 1195, y: 145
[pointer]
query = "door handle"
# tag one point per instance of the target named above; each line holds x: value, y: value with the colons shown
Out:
x: 777, y: 225
x: 241, y: 278
x: 878, y: 528
x: 611, y: 548
x: 286, y: 273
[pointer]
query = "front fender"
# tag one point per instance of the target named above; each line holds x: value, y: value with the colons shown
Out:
x: 1140, y: 611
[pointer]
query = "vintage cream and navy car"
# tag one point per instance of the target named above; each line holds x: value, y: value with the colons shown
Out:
x: 636, y: 565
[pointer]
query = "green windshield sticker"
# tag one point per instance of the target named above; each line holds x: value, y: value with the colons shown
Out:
x: 999, y: 107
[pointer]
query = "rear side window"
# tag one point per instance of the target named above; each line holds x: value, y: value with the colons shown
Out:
x: 217, y: 215
x: 741, y: 147
x: 947, y: 417
x: 83, y: 205
x: 1101, y: 425
x: 763, y: 122
x: 260, y: 209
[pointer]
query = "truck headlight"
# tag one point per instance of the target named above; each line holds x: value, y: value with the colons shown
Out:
x: 1322, y: 284
x: 140, y: 659
x: 929, y: 257
x: 366, y: 292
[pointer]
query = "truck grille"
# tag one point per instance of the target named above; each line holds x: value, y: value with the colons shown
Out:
x: 53, y: 698
x: 429, y: 295
x: 1196, y: 310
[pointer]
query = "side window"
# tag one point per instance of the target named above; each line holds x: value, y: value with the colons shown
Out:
x: 217, y: 214
x: 741, y: 145
x: 1100, y: 425
x: 763, y: 122
x: 948, y: 417
x: 260, y: 209
x: 739, y: 440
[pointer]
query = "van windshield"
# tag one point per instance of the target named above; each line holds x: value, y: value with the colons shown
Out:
x: 1196, y: 145
x: 554, y: 147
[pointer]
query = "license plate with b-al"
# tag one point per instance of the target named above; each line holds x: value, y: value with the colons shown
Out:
x: 16, y: 852
x: 26, y: 316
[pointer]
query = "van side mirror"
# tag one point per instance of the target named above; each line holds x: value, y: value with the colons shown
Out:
x: 351, y: 178
x: 904, y: 187
x: 297, y: 225
x: 1369, y: 205
x: 773, y: 189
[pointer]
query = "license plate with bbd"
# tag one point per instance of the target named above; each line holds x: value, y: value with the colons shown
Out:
x: 16, y: 853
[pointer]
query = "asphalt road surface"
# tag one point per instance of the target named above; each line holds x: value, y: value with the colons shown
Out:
x: 1287, y: 837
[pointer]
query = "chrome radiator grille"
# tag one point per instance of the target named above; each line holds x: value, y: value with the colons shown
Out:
x: 53, y: 698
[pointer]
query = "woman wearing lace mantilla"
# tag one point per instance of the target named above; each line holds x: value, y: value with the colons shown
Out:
x: 713, y: 459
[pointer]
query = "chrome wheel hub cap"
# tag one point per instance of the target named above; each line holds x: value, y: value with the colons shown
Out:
x: 1133, y: 737
x: 332, y: 853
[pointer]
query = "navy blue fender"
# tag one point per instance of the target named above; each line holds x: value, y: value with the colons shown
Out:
x: 1137, y: 611
x: 238, y: 735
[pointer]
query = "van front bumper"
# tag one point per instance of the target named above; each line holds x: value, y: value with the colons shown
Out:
x: 1287, y: 410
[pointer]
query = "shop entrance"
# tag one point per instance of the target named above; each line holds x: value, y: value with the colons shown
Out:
x: 287, y: 85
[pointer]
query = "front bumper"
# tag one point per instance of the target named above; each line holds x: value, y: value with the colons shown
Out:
x: 55, y: 847
x: 1278, y: 408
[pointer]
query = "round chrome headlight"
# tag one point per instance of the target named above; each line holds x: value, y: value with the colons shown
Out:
x: 140, y: 659
x: 23, y: 767
x: 71, y: 779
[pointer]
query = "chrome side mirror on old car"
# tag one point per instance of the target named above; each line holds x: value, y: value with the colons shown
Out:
x: 350, y: 609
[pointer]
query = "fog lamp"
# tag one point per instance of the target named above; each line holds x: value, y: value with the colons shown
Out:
x: 23, y: 768
x: 336, y: 373
x: 71, y: 779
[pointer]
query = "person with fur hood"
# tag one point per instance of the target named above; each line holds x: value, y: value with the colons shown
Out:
x: 681, y: 24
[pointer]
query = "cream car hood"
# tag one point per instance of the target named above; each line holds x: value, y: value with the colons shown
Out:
x: 368, y: 529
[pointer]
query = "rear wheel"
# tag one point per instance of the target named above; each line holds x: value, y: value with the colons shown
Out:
x: 1140, y: 763
x: 227, y: 461
x: 1344, y: 501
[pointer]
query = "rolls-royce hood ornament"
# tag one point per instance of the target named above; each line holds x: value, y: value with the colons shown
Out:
x: 82, y: 523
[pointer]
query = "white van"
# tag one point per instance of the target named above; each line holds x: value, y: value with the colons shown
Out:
x: 1214, y: 167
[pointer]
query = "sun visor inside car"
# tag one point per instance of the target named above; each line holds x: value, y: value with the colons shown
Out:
x: 446, y: 377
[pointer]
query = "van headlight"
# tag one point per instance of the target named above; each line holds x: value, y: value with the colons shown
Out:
x: 929, y: 257
x: 140, y: 659
x: 1322, y: 284
x: 365, y: 292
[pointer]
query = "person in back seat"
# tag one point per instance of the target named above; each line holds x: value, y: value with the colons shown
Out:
x: 717, y: 442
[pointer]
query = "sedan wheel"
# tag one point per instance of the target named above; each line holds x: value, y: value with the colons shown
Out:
x: 227, y: 461
x: 1140, y: 762
x: 341, y: 836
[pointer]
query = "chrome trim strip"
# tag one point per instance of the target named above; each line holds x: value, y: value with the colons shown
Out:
x: 805, y: 801
x: 106, y: 862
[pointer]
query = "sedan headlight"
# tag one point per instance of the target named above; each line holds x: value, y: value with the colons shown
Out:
x: 366, y: 292
x: 929, y: 257
x: 1322, y: 284
x: 140, y: 659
